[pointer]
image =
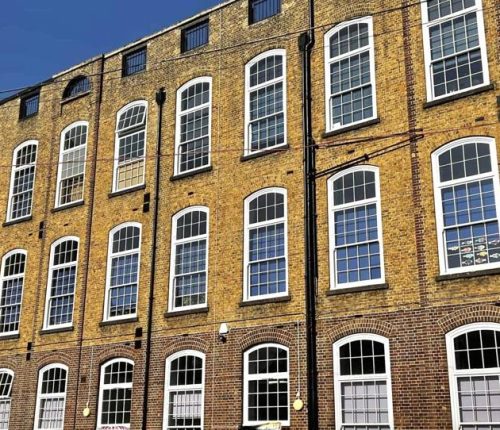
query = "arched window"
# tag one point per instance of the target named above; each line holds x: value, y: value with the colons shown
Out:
x: 130, y: 146
x: 466, y: 196
x: 350, y: 74
x: 362, y: 380
x: 266, y: 252
x: 6, y: 378
x: 454, y: 46
x: 189, y: 261
x: 51, y: 397
x: 11, y: 291
x: 474, y: 367
x: 194, y: 105
x: 266, y: 385
x: 22, y: 181
x: 265, y: 112
x: 122, y: 284
x: 355, y: 228
x: 77, y: 86
x: 71, y: 172
x: 61, y: 283
x: 184, y: 391
x: 115, y: 394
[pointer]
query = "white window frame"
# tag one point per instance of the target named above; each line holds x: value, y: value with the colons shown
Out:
x: 478, y: 8
x: 116, y: 163
x: 249, y: 90
x: 180, y: 113
x: 48, y: 297
x: 6, y: 278
x: 173, y: 255
x: 125, y: 385
x: 453, y: 373
x: 12, y: 176
x: 62, y: 152
x: 338, y: 379
x: 246, y: 257
x: 328, y: 61
x: 264, y: 376
x: 7, y: 399
x: 168, y: 388
x: 331, y: 226
x: 108, y: 270
x: 40, y: 396
x: 438, y: 201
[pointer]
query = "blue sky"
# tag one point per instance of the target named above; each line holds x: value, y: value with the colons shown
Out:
x: 42, y: 37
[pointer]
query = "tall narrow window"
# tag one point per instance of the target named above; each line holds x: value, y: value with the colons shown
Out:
x: 263, y: 9
x: 350, y: 74
x: 363, y: 393
x: 466, y: 197
x: 62, y: 283
x: 22, y: 181
x: 474, y: 367
x: 51, y: 398
x: 355, y: 228
x: 184, y: 391
x: 194, y: 104
x: 455, y: 47
x: 115, y: 395
x: 265, y: 268
x: 71, y: 173
x: 123, y: 271
x: 6, y: 378
x: 265, y: 113
x: 130, y: 147
x: 266, y: 385
x: 189, y: 265
x: 11, y: 292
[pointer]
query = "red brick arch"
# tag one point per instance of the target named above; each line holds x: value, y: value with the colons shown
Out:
x: 265, y: 335
x: 360, y: 325
x: 181, y: 344
x: 469, y: 315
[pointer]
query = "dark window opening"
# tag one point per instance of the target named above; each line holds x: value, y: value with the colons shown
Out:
x: 29, y: 105
x: 134, y: 62
x: 195, y: 36
x: 79, y: 85
x: 263, y: 9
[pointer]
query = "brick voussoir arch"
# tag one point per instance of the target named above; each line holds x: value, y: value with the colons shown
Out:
x: 9, y: 363
x: 265, y: 335
x: 360, y: 325
x: 469, y: 315
x: 173, y: 346
x: 59, y: 357
x: 117, y: 351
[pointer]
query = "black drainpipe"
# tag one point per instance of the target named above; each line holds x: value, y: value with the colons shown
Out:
x: 160, y: 100
x: 306, y: 44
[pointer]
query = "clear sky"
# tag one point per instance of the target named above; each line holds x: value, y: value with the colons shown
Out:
x: 41, y: 37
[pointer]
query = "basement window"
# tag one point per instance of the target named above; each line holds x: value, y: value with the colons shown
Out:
x: 259, y: 10
x: 195, y: 36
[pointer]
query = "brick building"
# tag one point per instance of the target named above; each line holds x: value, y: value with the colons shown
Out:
x: 153, y: 249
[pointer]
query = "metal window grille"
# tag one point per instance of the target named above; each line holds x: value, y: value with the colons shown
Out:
x: 77, y: 86
x: 195, y: 36
x: 135, y: 62
x: 29, y: 105
x: 263, y: 9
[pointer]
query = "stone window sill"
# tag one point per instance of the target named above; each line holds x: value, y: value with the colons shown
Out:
x: 118, y: 322
x: 56, y: 330
x: 351, y: 128
x: 268, y: 301
x: 127, y: 191
x: 17, y: 221
x: 70, y: 206
x: 467, y: 275
x: 10, y: 337
x: 190, y: 174
x: 278, y: 149
x: 174, y: 314
x: 341, y: 291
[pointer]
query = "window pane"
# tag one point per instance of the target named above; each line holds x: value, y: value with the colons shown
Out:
x: 134, y: 62
x: 263, y: 9
x: 116, y: 402
x: 12, y: 283
x: 29, y: 106
x: 196, y: 36
x: 23, y: 182
x: 77, y: 86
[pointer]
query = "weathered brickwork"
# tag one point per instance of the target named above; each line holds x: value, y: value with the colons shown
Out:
x: 414, y: 310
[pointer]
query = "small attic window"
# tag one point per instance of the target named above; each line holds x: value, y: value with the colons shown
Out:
x: 195, y: 36
x: 77, y: 86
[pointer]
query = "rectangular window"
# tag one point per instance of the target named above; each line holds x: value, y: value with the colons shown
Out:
x: 29, y: 105
x: 195, y: 36
x: 455, y: 48
x: 134, y: 62
x: 263, y: 9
